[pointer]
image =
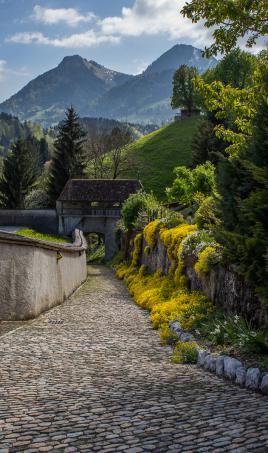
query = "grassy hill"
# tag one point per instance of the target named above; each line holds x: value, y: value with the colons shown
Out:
x: 155, y: 155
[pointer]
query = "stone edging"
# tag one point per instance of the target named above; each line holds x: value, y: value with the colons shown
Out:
x: 225, y: 366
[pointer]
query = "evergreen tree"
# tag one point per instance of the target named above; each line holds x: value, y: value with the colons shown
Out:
x: 68, y: 160
x: 19, y: 175
x: 43, y: 151
x: 205, y: 145
x: 243, y: 185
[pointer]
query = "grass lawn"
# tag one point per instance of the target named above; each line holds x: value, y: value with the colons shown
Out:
x: 155, y: 155
x: 42, y: 237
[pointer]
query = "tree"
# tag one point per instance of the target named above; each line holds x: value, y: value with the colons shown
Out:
x: 108, y: 156
x: 231, y: 20
x: 184, y: 94
x: 68, y: 160
x: 117, y: 142
x: 190, y: 183
x: 235, y: 69
x: 96, y: 148
x: 19, y: 175
x: 246, y: 231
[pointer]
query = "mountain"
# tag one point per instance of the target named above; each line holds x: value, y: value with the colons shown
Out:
x: 97, y: 91
x: 74, y: 81
x: 146, y: 97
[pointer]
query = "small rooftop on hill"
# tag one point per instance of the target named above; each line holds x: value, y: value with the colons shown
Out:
x: 99, y: 190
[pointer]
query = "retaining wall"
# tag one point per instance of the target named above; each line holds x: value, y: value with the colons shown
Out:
x: 222, y: 285
x: 37, y: 275
x: 43, y: 220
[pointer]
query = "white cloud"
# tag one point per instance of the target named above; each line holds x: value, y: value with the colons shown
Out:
x: 69, y: 16
x: 2, y: 68
x: 145, y: 17
x: 78, y: 40
x: 151, y: 17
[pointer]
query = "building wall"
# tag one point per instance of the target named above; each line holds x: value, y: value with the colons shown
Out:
x: 92, y: 224
x: 43, y: 220
x: 35, y: 276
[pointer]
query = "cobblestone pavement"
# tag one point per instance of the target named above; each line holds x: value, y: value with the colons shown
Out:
x: 91, y: 376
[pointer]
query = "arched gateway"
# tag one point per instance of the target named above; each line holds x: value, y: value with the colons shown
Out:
x: 94, y: 206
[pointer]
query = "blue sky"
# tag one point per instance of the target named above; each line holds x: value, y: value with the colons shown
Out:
x: 124, y: 35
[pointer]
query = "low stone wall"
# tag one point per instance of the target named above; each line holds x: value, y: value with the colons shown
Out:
x: 37, y: 275
x: 43, y: 220
x: 223, y: 286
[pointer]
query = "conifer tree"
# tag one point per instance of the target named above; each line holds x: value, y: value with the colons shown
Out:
x: 19, y: 175
x: 68, y: 160
x: 244, y: 206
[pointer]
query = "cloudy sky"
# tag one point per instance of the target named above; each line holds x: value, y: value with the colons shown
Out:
x: 125, y: 35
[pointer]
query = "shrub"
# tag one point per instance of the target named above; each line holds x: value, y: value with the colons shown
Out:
x: 172, y: 219
x: 208, y: 258
x: 185, y: 352
x: 233, y: 330
x: 136, y: 203
x: 207, y: 214
x: 149, y: 232
x: 136, y: 250
x: 194, y: 243
x: 167, y: 336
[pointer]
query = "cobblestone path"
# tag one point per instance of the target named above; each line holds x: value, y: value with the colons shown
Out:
x: 91, y: 376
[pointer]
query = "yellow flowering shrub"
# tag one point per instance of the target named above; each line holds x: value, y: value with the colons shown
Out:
x: 149, y: 232
x: 166, y: 297
x: 207, y: 258
x: 136, y: 249
x: 185, y: 352
x: 173, y: 237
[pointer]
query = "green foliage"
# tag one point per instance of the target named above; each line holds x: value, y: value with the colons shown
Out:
x: 230, y: 20
x: 244, y: 206
x: 68, y: 160
x: 188, y: 183
x: 19, y: 176
x: 156, y: 155
x: 184, y: 94
x: 207, y: 214
x: 194, y: 243
x: 185, y: 352
x: 171, y: 220
x: 135, y: 204
x: 236, y: 69
x: 205, y: 145
x: 167, y: 336
x: 235, y: 331
x: 96, y: 255
x: 37, y: 199
x: 27, y: 232
x: 207, y: 258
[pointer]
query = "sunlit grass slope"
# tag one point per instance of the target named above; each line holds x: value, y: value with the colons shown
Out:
x: 155, y: 155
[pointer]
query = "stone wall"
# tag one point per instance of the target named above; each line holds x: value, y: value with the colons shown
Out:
x: 43, y: 220
x: 35, y: 275
x: 223, y: 286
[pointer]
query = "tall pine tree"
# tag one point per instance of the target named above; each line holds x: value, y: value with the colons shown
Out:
x: 68, y: 160
x: 19, y: 175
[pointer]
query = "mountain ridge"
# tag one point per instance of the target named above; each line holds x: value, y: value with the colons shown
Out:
x: 95, y: 90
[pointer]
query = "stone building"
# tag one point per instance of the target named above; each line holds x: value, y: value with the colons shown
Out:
x: 94, y: 206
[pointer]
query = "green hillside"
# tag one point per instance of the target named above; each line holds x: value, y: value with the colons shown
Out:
x: 155, y: 155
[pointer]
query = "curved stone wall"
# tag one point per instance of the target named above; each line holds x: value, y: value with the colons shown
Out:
x: 37, y: 275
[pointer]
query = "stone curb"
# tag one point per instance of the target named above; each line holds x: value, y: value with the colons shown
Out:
x: 225, y: 366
